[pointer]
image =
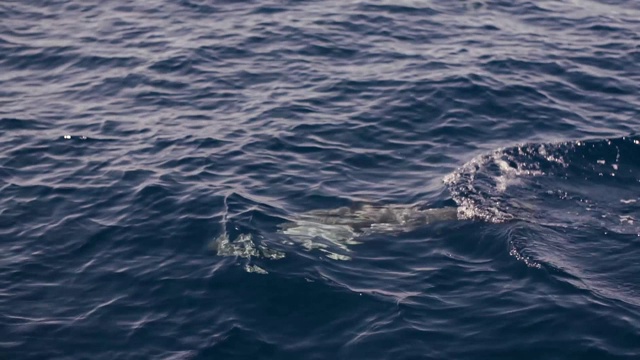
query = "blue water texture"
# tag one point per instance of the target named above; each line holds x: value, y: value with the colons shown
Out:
x: 156, y: 156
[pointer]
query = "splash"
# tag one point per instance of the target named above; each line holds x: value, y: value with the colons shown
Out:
x: 522, y: 181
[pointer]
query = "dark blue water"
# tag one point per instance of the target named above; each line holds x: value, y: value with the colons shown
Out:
x: 136, y: 133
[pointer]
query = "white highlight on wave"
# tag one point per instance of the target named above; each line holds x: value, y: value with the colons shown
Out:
x: 484, y: 205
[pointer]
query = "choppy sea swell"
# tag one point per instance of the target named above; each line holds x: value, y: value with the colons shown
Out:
x: 135, y: 134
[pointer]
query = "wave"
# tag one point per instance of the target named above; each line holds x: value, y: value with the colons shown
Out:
x: 570, y: 207
x: 549, y: 183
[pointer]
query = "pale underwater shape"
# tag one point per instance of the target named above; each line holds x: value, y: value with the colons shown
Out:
x: 343, y: 224
x: 332, y: 230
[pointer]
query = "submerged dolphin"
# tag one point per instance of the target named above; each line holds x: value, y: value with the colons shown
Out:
x: 331, y: 230
x: 346, y: 223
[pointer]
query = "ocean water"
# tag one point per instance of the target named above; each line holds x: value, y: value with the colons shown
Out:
x: 152, y: 152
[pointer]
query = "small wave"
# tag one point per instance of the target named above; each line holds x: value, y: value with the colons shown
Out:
x: 508, y: 183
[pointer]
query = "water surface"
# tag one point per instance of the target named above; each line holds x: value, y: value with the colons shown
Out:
x: 137, y: 135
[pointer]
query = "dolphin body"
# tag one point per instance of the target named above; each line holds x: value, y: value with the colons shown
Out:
x: 344, y: 224
x: 332, y: 230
